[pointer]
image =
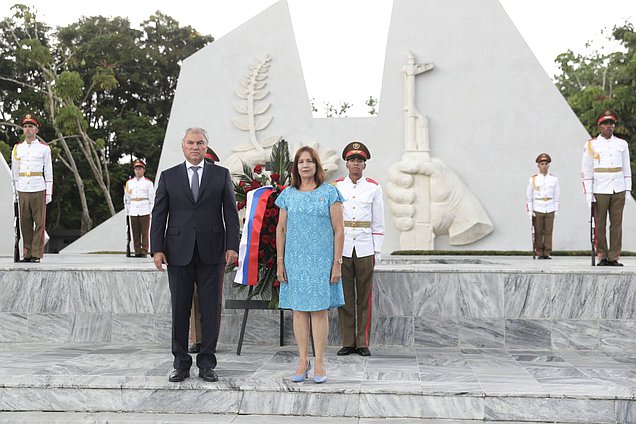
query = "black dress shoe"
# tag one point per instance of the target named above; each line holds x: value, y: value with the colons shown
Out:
x: 346, y: 351
x: 208, y: 374
x: 364, y: 351
x: 603, y: 262
x: 547, y: 257
x: 179, y: 375
x: 614, y: 263
x: 25, y: 260
x: 35, y: 260
x: 195, y: 348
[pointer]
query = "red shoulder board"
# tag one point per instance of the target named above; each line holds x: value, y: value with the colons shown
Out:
x: 148, y: 179
x: 338, y: 180
x: 371, y: 180
x: 534, y: 175
x: 130, y: 179
x: 44, y: 143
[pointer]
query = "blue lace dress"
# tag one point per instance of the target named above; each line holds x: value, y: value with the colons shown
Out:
x: 309, y: 250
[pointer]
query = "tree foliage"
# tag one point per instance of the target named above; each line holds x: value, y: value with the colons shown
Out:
x: 601, y: 79
x: 103, y: 91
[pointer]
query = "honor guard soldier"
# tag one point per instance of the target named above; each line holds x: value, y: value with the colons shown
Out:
x: 542, y: 205
x: 195, y: 315
x: 364, y: 234
x: 607, y: 176
x: 139, y: 198
x: 32, y: 177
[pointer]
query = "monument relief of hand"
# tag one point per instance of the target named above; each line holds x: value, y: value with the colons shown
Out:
x: 454, y: 209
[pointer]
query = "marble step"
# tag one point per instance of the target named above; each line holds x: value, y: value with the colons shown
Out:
x: 395, y: 382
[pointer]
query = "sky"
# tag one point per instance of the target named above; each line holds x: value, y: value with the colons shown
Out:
x: 330, y: 33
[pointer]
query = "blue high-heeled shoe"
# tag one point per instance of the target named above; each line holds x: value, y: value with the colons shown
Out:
x: 319, y: 379
x: 299, y: 378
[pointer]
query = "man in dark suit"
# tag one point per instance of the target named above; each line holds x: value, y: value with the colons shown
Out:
x: 195, y: 232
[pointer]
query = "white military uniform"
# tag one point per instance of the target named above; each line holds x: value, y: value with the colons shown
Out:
x: 605, y: 167
x: 139, y: 196
x: 32, y: 175
x: 543, y: 194
x: 363, y: 216
x: 32, y: 168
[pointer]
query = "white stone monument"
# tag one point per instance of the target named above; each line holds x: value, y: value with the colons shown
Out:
x: 6, y: 211
x: 470, y: 131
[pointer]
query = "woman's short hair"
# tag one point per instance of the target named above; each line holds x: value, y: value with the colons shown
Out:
x: 319, y: 176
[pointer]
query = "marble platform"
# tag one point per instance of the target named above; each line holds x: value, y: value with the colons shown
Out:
x: 458, y: 339
x: 458, y: 385
x: 437, y: 302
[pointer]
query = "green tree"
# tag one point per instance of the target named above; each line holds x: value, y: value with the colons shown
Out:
x: 599, y: 80
x: 105, y: 91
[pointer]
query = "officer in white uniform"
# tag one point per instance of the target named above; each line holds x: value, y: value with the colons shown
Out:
x: 139, y: 198
x: 32, y: 175
x: 364, y: 234
x: 542, y: 205
x: 607, y: 176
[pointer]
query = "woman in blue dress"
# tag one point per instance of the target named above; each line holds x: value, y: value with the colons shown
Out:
x: 309, y: 241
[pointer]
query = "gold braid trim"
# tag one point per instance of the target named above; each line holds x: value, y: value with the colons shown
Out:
x: 591, y: 151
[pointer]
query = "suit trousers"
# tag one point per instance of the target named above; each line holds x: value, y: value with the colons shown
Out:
x: 32, y: 222
x: 209, y: 280
x: 139, y: 226
x: 612, y: 204
x: 543, y: 225
x: 355, y: 314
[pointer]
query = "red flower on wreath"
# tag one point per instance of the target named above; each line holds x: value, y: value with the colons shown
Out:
x: 258, y: 169
x: 275, y: 176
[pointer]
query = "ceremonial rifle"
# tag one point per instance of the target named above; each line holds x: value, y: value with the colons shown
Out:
x: 16, y: 225
x: 532, y: 230
x: 127, y: 236
x: 593, y: 231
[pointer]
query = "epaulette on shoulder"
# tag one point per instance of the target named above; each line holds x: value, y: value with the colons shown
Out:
x: 147, y: 179
x: 44, y: 143
x: 371, y: 180
x: 338, y: 180
x: 129, y: 179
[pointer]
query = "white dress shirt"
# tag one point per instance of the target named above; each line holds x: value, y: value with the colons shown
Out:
x: 34, y: 157
x: 363, y: 202
x: 605, y: 168
x: 543, y: 193
x: 191, y: 172
x: 139, y: 196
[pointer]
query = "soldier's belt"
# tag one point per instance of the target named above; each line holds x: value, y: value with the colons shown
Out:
x: 358, y: 224
x: 543, y: 198
x: 619, y: 169
x: 31, y: 174
x: 138, y: 199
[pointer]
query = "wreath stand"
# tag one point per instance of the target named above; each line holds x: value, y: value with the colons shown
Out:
x: 246, y: 305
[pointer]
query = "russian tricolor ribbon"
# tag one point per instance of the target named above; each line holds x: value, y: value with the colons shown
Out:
x: 247, y: 272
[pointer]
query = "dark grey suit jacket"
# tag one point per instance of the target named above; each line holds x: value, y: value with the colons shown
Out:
x: 179, y: 223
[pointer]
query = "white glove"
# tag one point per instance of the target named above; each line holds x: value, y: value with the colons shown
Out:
x: 530, y: 214
x: 589, y: 198
x: 378, y: 257
x: 556, y: 213
x: 49, y: 197
x: 16, y: 197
